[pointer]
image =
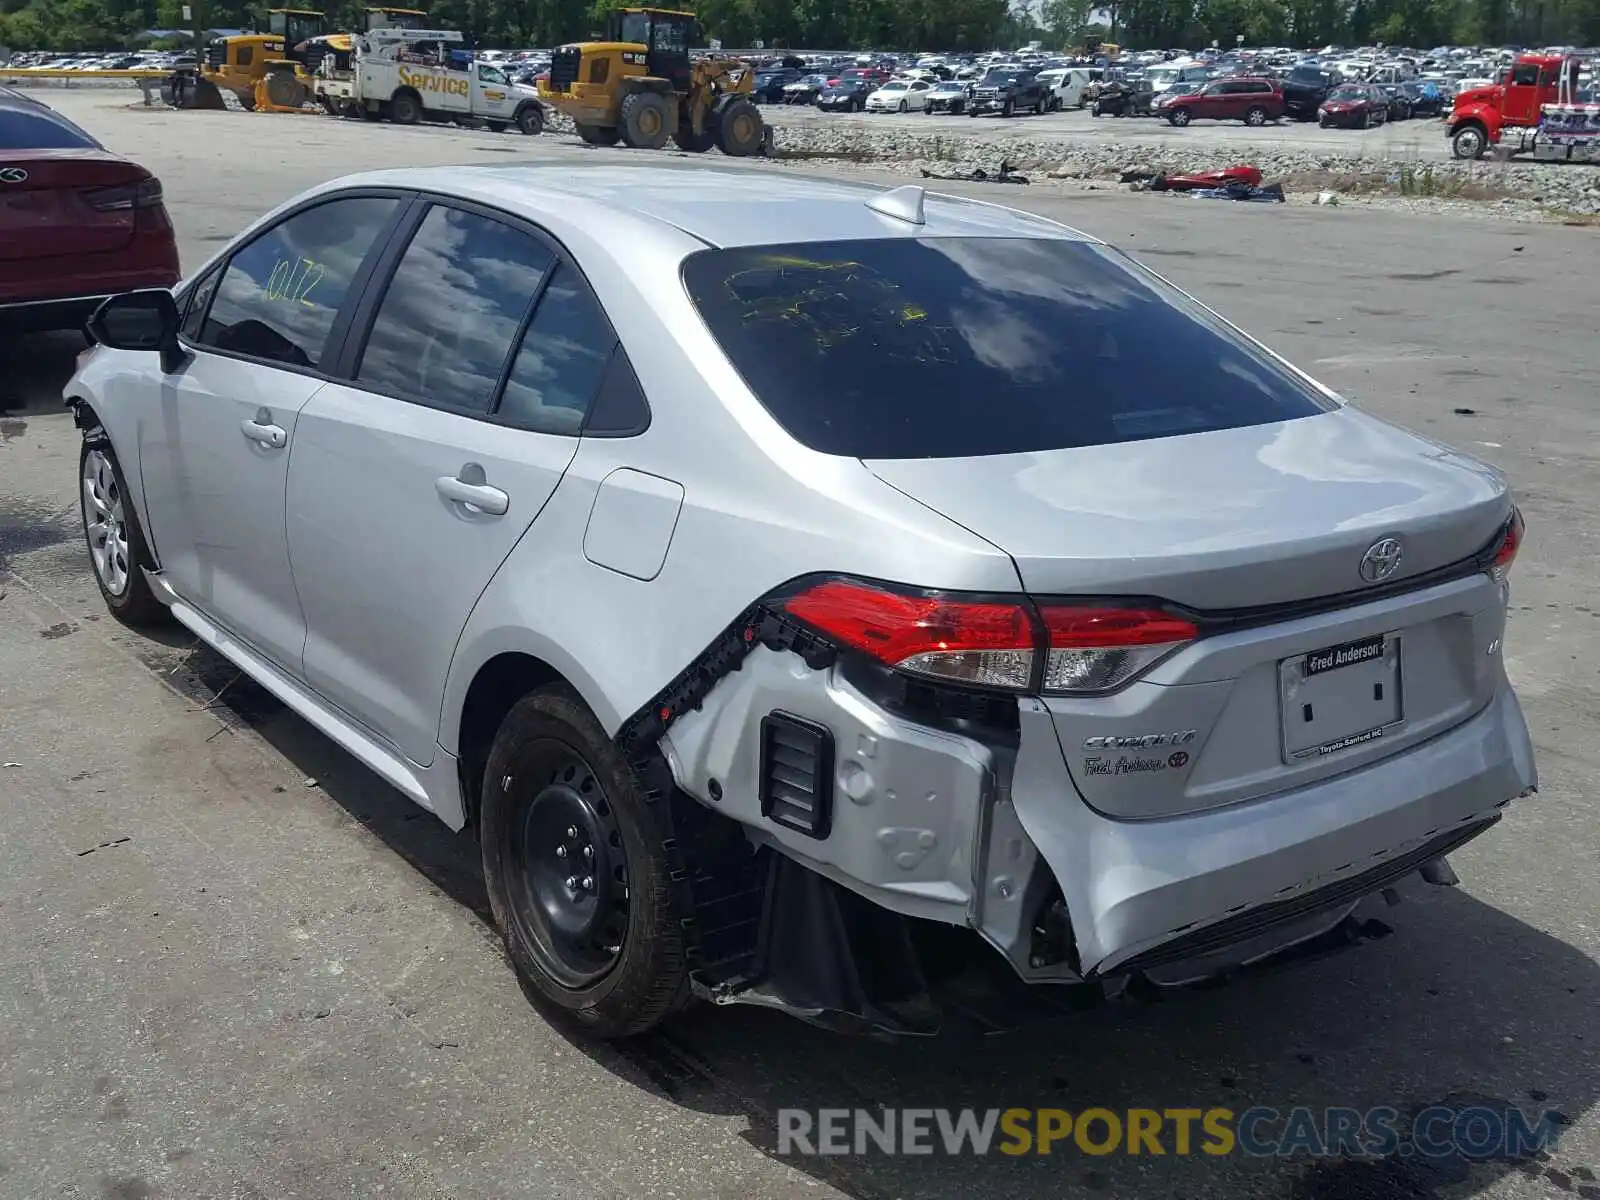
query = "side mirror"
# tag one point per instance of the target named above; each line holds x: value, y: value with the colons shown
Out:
x: 142, y: 320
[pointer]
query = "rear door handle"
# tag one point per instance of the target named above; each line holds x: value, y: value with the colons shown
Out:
x: 469, y: 490
x: 261, y: 430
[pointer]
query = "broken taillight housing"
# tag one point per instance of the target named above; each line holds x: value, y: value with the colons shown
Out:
x: 1510, y: 543
x: 1007, y: 644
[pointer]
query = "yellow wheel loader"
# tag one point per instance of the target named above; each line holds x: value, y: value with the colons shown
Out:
x: 266, y: 71
x: 641, y: 87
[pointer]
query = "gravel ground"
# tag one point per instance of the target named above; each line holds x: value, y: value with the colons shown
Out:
x: 1402, y: 167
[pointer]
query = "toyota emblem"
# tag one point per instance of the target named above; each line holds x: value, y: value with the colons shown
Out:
x: 13, y: 175
x: 1381, y: 560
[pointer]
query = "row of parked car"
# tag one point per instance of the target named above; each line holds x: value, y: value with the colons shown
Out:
x: 1003, y: 91
x: 1259, y: 100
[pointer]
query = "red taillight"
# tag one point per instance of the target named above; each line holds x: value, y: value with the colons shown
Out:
x: 982, y: 643
x: 144, y: 194
x: 996, y: 644
x: 1510, y: 543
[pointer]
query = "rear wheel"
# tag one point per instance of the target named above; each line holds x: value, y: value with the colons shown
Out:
x: 576, y: 869
x: 405, y: 109
x: 642, y: 118
x: 739, y: 128
x: 1256, y: 116
x: 117, y: 548
x: 598, y: 135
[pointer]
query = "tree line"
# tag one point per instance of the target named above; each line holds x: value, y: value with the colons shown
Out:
x: 886, y: 24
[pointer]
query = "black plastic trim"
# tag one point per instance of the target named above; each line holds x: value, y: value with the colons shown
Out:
x: 821, y: 823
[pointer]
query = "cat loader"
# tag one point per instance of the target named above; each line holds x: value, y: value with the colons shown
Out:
x: 641, y: 87
x: 267, y: 72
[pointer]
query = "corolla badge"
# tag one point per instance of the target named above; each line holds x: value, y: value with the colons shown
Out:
x: 1381, y: 560
x: 13, y: 175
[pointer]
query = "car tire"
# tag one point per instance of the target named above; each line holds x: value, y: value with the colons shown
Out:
x: 1180, y: 117
x: 575, y: 862
x: 497, y: 126
x: 405, y: 109
x: 1256, y: 117
x: 1323, y: 123
x: 1094, y: 110
x: 1469, y: 141
x: 902, y: 107
x: 1366, y: 120
x: 530, y: 120
x: 642, y: 120
x: 1008, y: 109
x: 117, y: 549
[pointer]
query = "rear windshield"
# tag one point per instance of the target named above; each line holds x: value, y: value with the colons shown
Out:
x: 952, y: 347
x: 28, y: 128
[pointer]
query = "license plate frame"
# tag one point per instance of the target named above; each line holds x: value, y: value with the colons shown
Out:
x: 1339, y: 697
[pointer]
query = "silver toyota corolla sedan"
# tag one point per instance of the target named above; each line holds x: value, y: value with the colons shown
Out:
x: 801, y: 586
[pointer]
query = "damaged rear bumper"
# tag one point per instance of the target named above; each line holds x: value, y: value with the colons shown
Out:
x: 1257, y: 875
x: 989, y: 833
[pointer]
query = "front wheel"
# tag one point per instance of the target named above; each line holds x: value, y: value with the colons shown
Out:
x: 1469, y: 142
x: 1180, y: 117
x: 575, y: 864
x: 116, y: 544
x: 1007, y: 109
x: 902, y: 107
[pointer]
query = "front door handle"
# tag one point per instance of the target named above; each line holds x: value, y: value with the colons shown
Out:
x: 469, y: 489
x: 261, y: 430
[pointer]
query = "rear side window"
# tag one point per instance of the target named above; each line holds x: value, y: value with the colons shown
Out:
x: 40, y: 129
x: 562, y: 357
x: 448, y: 322
x: 280, y: 294
x: 955, y: 347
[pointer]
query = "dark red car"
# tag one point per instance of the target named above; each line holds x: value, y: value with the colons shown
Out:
x: 1253, y: 101
x: 1354, y: 105
x: 77, y: 222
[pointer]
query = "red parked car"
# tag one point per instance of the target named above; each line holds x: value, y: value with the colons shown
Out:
x: 1253, y: 101
x: 1354, y: 106
x: 77, y: 222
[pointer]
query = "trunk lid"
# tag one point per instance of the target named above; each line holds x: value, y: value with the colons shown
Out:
x: 1236, y: 520
x: 46, y: 207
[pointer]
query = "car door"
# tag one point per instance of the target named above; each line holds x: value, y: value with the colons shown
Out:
x: 214, y: 455
x: 471, y: 370
x: 492, y: 96
x: 919, y: 93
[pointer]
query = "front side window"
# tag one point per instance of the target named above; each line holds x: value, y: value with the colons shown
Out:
x: 492, y: 75
x: 450, y: 316
x: 1526, y: 75
x: 280, y: 294
x: 950, y: 347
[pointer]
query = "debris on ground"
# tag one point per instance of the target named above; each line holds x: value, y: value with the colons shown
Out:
x: 1330, y: 199
x: 1271, y: 194
x: 1191, y: 181
x: 1006, y: 174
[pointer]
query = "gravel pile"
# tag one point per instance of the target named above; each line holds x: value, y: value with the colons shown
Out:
x: 1568, y: 188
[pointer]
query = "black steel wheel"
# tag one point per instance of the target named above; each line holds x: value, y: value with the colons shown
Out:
x: 568, y: 875
x: 575, y: 864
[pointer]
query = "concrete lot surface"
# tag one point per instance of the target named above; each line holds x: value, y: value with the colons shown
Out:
x: 234, y: 964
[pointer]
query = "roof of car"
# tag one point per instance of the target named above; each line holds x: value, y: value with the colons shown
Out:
x: 720, y: 206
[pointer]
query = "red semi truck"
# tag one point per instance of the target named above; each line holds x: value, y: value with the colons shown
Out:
x: 1534, y: 109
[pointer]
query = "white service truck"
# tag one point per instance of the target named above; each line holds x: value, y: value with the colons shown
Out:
x: 412, y: 75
